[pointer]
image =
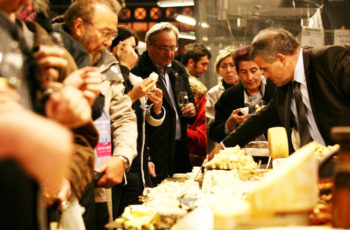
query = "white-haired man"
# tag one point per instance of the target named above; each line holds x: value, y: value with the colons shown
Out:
x: 168, y: 142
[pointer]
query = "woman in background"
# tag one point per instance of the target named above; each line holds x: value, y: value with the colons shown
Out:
x: 196, y: 132
x: 225, y: 68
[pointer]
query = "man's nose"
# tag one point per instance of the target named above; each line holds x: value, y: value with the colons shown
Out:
x: 107, y: 42
x: 250, y: 75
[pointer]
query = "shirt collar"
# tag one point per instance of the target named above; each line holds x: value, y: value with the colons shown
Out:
x: 161, y: 68
x: 299, y: 72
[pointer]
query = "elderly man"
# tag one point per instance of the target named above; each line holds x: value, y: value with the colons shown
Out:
x: 196, y: 59
x: 168, y: 142
x: 312, y: 95
x: 94, y: 24
x: 253, y: 90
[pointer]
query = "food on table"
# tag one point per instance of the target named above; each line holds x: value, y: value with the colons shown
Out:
x: 278, y: 142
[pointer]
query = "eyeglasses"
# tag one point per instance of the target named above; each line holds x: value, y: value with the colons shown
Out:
x: 166, y: 48
x: 104, y: 33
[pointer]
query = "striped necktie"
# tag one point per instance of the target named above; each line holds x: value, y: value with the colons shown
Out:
x: 303, y: 124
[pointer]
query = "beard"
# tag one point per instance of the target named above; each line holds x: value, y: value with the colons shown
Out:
x: 94, y: 54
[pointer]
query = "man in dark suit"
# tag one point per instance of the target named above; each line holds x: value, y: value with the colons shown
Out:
x: 252, y: 91
x: 323, y: 76
x: 167, y: 142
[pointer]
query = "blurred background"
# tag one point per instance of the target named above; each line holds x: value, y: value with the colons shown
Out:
x: 220, y: 23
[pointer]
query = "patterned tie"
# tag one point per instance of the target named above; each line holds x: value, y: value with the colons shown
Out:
x: 303, y: 124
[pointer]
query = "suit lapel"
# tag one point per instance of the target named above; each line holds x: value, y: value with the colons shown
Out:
x: 162, y: 86
x: 312, y: 98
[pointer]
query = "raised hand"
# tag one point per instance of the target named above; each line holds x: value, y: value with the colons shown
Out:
x: 156, y: 96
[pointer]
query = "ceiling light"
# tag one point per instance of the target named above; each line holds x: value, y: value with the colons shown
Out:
x: 185, y: 19
x: 175, y: 3
x: 187, y: 36
x: 204, y: 25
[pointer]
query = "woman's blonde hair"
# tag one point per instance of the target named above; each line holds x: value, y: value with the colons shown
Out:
x: 197, y: 86
x: 228, y: 51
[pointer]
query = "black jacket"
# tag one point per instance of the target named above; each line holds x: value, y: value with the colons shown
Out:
x: 161, y: 139
x: 327, y: 72
x: 230, y: 100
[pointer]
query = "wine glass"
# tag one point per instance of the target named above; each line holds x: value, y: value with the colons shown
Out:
x: 182, y: 98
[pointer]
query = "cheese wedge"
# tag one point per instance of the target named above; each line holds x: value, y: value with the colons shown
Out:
x: 278, y: 142
x: 290, y: 188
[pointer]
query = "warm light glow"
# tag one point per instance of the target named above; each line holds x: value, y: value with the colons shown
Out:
x: 187, y: 36
x: 185, y: 19
x: 175, y: 3
x: 204, y: 25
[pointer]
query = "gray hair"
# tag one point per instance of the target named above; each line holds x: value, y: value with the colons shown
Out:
x: 84, y: 8
x: 159, y: 27
x: 268, y: 42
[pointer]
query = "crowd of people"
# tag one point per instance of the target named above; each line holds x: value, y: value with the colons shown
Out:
x: 87, y: 121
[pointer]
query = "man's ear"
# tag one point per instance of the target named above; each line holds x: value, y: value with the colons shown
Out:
x: 191, y: 62
x: 78, y: 28
x: 281, y: 58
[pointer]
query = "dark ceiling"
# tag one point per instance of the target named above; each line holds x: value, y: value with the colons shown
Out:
x: 59, y: 6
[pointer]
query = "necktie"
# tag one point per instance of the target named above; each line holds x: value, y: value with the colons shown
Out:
x: 303, y: 124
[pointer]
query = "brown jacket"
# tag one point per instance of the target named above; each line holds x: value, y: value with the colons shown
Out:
x: 85, y: 138
x: 83, y: 160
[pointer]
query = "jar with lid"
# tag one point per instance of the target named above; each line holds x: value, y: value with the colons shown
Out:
x: 341, y: 177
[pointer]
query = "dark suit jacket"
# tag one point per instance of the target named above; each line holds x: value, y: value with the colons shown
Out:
x: 327, y: 72
x: 161, y: 139
x: 230, y: 100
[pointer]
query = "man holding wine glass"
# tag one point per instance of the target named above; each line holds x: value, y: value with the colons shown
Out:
x: 168, y: 142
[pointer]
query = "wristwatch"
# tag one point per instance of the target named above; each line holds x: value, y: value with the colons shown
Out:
x: 126, y: 162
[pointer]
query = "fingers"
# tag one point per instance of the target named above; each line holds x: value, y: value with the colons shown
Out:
x: 151, y: 169
x: 50, y: 59
x: 127, y: 55
x: 88, y: 80
x: 49, y: 75
x: 113, y: 170
x: 236, y: 111
x: 69, y: 107
x: 148, y: 84
x: 156, y: 96
x: 86, y: 75
x: 45, y: 50
x: 52, y: 62
x: 189, y: 110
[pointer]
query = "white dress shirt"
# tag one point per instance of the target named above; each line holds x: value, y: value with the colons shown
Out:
x: 299, y: 76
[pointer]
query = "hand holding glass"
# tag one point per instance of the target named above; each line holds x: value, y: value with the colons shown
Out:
x: 182, y: 98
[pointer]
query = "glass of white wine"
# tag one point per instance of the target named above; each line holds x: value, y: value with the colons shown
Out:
x: 182, y: 99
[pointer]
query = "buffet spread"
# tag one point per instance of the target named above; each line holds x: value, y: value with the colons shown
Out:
x: 232, y: 191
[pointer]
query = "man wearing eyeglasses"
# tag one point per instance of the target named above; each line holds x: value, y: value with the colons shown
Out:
x: 168, y: 142
x: 93, y: 23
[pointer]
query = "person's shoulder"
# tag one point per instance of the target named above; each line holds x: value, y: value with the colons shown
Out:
x: 178, y: 66
x: 327, y: 50
x: 214, y: 89
x: 234, y: 90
